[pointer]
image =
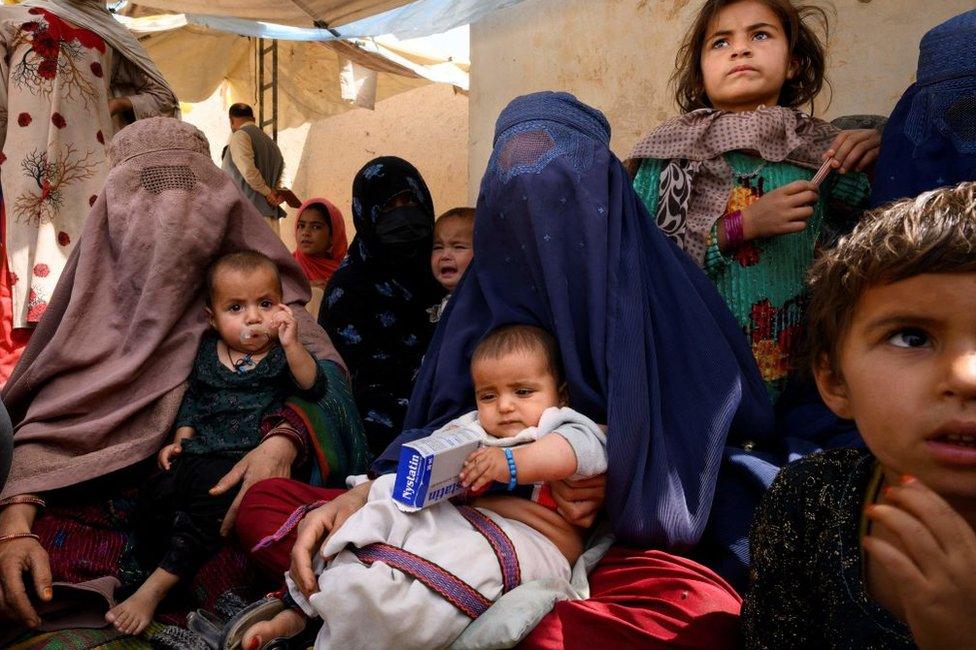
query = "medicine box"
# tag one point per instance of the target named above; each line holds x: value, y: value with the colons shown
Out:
x: 429, y: 467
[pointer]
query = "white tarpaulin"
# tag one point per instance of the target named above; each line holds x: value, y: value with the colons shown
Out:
x: 304, y: 13
x: 352, y: 65
x: 357, y: 84
x: 196, y: 60
x: 414, y: 20
x: 423, y: 18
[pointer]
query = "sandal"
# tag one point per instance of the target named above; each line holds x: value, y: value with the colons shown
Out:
x: 207, y: 626
x: 262, y: 610
x: 80, y: 605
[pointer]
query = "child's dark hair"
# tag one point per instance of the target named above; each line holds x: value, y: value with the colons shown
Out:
x: 932, y: 233
x: 806, y: 51
x: 467, y: 214
x: 521, y: 338
x: 244, y: 261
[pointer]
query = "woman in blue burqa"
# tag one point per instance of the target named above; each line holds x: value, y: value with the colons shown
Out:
x: 649, y: 349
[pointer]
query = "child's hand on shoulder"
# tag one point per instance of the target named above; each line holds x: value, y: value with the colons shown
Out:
x: 780, y: 212
x: 856, y: 150
x: 935, y: 566
x: 283, y: 322
x: 483, y: 466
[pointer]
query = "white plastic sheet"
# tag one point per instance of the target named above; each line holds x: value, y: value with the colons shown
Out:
x: 196, y: 60
x: 319, y: 73
x: 423, y: 18
x: 414, y: 20
x: 302, y: 13
x: 357, y: 84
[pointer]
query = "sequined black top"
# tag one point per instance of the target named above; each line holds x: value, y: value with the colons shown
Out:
x: 226, y: 407
x: 807, y: 589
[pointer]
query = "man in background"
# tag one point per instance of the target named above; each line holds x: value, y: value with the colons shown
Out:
x: 255, y: 163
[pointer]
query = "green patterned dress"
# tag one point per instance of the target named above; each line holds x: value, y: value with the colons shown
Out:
x: 764, y: 281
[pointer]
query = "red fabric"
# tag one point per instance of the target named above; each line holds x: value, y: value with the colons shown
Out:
x: 638, y: 598
x: 91, y: 538
x: 264, y: 509
x: 12, y: 341
x: 322, y: 268
x: 644, y: 599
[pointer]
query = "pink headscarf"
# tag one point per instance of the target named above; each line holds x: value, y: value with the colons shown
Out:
x: 322, y: 267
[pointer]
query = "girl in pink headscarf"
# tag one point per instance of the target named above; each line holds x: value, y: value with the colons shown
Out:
x: 320, y: 237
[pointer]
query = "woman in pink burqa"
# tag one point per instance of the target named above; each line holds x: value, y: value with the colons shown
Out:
x: 98, y: 387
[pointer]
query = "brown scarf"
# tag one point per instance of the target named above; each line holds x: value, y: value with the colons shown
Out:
x: 696, y: 181
x: 101, y: 380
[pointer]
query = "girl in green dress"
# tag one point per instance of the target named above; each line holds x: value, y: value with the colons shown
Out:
x: 729, y: 181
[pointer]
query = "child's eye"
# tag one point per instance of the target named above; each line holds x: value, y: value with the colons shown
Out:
x: 524, y: 392
x: 761, y: 36
x: 909, y: 338
x: 266, y: 304
x: 438, y: 247
x: 486, y: 397
x: 719, y: 43
x: 234, y: 308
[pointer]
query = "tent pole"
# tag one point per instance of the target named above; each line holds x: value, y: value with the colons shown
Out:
x: 260, y: 80
x: 274, y: 90
x: 268, y: 70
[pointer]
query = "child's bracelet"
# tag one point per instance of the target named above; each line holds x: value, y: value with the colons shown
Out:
x: 734, y: 234
x: 512, y: 473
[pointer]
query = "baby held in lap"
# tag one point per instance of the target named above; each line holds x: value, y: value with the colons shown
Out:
x: 245, y: 368
x: 382, y: 558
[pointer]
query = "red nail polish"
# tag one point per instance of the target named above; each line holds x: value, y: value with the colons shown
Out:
x: 907, y: 479
x: 886, y: 491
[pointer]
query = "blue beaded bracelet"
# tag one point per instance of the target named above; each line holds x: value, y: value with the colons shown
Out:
x: 512, y: 474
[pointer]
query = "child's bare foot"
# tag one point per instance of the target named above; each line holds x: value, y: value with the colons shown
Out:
x: 285, y: 624
x: 134, y: 614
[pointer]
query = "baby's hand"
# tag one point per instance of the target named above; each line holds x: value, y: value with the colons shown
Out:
x: 483, y: 466
x: 167, y: 453
x: 933, y: 565
x: 855, y: 149
x: 781, y: 211
x: 284, y: 323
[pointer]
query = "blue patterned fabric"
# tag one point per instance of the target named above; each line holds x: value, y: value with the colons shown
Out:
x: 930, y: 138
x: 375, y: 307
x: 563, y: 242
